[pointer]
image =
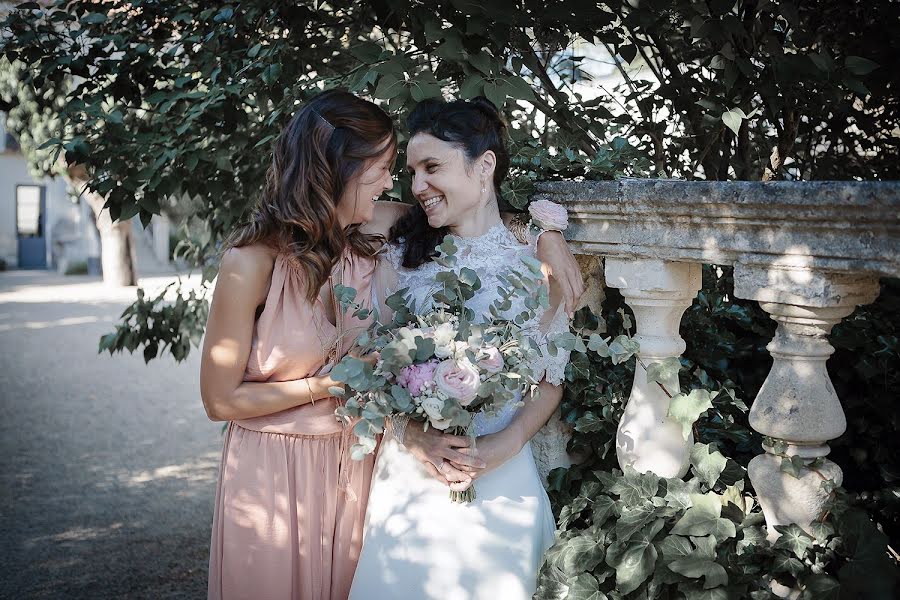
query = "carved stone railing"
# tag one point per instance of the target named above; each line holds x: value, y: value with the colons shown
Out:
x: 808, y: 252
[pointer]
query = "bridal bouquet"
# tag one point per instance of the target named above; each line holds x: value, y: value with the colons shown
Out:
x: 441, y: 367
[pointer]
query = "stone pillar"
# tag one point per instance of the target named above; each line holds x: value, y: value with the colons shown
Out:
x: 658, y: 292
x: 797, y: 403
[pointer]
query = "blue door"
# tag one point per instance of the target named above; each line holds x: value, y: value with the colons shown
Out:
x: 31, y: 209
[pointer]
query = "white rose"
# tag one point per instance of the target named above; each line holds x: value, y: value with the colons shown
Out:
x: 441, y: 424
x: 444, y: 336
x: 433, y: 407
x: 459, y: 350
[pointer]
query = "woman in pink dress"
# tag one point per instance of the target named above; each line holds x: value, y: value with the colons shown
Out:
x: 290, y: 502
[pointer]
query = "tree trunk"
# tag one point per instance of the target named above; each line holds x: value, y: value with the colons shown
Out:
x: 116, y: 246
x: 117, y: 251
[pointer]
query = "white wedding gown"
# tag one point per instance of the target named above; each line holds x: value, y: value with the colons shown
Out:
x: 420, y: 545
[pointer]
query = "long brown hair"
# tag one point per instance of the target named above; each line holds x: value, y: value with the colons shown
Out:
x: 316, y: 156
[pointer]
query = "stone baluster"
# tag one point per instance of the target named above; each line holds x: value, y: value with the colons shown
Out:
x: 658, y: 292
x: 797, y: 403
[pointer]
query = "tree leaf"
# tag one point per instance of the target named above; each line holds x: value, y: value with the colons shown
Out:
x: 389, y: 86
x: 472, y: 86
x: 732, y: 119
x: 495, y: 94
x: 859, y: 65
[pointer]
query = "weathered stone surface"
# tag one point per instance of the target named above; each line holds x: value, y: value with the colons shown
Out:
x: 828, y: 225
x: 658, y: 293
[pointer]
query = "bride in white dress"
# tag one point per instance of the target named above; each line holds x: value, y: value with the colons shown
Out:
x: 417, y: 543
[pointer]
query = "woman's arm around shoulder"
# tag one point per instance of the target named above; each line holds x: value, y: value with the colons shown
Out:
x: 386, y: 215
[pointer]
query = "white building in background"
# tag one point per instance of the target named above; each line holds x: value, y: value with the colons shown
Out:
x: 43, y: 225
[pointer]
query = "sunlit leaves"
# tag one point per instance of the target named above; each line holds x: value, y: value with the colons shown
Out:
x: 687, y: 408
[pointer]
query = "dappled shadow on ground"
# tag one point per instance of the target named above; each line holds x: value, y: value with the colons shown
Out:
x: 107, y: 465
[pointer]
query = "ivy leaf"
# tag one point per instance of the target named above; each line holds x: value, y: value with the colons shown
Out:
x: 582, y: 553
x: 634, y: 518
x: 572, y: 510
x: 712, y: 572
x: 635, y: 559
x: 793, y: 538
x: 623, y: 348
x: 664, y: 372
x: 821, y: 587
x: 751, y: 539
x: 698, y: 593
x: 678, y: 493
x: 707, y: 463
x: 792, y: 465
x: 635, y: 488
x: 597, y: 344
x: 585, y: 587
x: 703, y: 518
x: 686, y: 409
x: 604, y: 507
x: 700, y: 562
x: 674, y: 547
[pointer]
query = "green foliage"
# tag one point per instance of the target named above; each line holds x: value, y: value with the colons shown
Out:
x: 633, y: 535
x: 160, y: 325
x: 712, y: 543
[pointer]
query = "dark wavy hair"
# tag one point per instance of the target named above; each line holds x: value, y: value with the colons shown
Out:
x: 323, y: 147
x: 473, y: 126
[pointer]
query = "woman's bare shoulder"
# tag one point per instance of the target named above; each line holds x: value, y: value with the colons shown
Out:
x: 252, y: 258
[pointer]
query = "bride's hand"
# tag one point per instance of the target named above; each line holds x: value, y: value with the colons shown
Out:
x: 494, y: 449
x: 559, y: 264
x: 442, y: 455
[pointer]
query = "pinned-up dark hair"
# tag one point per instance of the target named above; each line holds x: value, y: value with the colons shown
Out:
x: 473, y: 126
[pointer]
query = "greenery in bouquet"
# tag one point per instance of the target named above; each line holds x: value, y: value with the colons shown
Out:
x: 439, y: 367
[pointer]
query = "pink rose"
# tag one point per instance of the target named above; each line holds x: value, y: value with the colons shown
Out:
x: 493, y: 362
x: 458, y: 379
x: 549, y: 215
x: 415, y: 377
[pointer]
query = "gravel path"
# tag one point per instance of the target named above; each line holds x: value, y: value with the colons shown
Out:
x: 107, y: 465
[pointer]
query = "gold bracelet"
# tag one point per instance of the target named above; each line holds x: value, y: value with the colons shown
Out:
x: 309, y: 388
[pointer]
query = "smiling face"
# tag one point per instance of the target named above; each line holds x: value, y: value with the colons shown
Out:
x: 357, y: 204
x: 444, y: 183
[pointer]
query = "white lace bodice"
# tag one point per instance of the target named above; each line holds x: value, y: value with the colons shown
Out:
x: 492, y: 254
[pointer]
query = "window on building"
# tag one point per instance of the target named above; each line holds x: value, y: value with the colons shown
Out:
x: 28, y: 210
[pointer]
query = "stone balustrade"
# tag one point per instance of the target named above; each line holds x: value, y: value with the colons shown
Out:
x: 808, y: 252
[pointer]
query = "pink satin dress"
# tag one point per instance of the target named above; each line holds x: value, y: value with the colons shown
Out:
x: 290, y: 502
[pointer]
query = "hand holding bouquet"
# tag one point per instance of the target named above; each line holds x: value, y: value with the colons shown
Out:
x: 439, y: 367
